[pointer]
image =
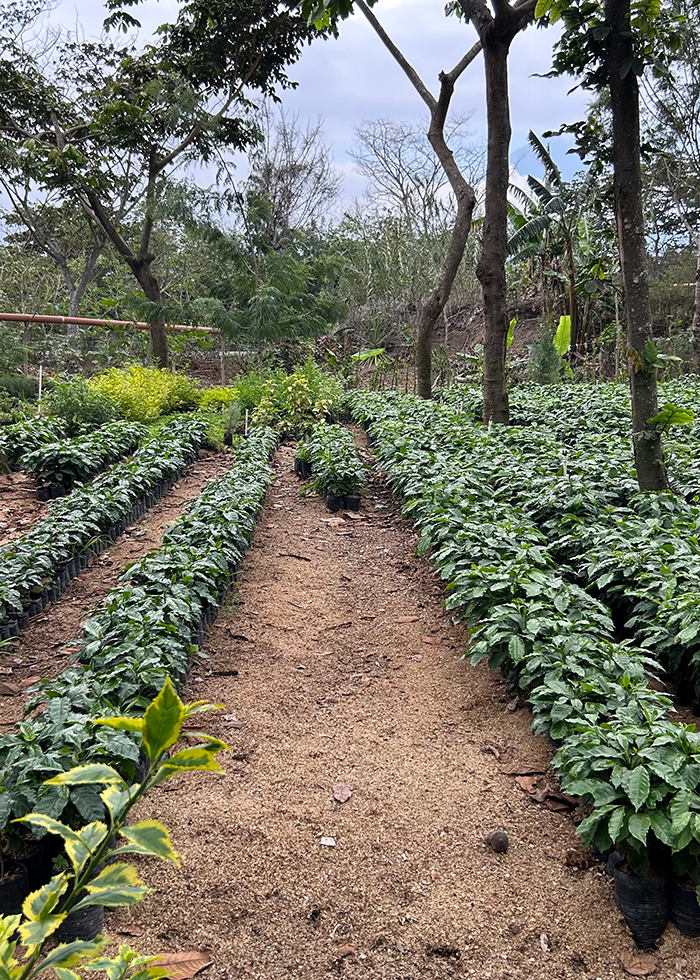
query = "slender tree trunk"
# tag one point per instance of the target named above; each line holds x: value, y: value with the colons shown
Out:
x: 695, y: 326
x: 151, y: 289
x: 431, y: 311
x: 573, y: 299
x: 624, y: 100
x: 491, y: 268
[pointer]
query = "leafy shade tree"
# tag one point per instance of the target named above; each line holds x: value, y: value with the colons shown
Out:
x: 609, y: 44
x: 102, y: 124
x: 64, y: 236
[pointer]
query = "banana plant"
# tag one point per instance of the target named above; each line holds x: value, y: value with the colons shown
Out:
x: 98, y: 874
x: 552, y: 221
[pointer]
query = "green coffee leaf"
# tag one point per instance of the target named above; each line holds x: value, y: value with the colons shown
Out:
x: 636, y: 784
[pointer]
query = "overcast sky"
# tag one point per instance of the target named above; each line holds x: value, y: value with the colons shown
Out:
x: 354, y: 79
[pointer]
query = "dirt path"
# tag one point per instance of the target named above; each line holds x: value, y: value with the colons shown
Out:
x: 333, y: 687
x: 40, y: 650
x: 19, y: 508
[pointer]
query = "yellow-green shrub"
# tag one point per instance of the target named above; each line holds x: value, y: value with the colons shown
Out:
x: 143, y: 394
x: 214, y: 399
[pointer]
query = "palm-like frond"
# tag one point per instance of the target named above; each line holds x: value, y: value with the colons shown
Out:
x: 521, y: 195
x: 542, y: 192
x: 528, y: 234
x: 552, y: 171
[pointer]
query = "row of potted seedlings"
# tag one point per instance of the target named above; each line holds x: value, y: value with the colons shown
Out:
x: 37, y: 567
x: 21, y: 438
x: 59, y: 466
x: 636, y: 773
x: 330, y: 457
x: 146, y: 630
x: 640, y: 553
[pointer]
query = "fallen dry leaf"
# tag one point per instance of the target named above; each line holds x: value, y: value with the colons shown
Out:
x: 416, y: 656
x: 230, y: 721
x: 131, y: 931
x: 184, y: 965
x: 342, y: 792
x: 353, y: 516
x: 526, y: 783
x: 521, y: 769
x: 639, y: 964
x: 544, y: 942
x: 408, y: 619
x: 5, y: 670
x: 343, y: 951
x: 434, y: 640
x: 328, y: 842
x: 493, y: 749
x: 9, y: 690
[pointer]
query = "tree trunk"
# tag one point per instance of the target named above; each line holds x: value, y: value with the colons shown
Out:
x: 573, y: 299
x: 695, y: 327
x: 491, y: 268
x: 73, y: 310
x: 624, y: 101
x: 151, y: 290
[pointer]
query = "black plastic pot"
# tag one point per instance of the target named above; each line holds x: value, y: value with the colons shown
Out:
x: 58, y: 490
x: 644, y: 904
x: 14, y: 888
x: 38, y: 864
x: 228, y: 439
x: 23, y: 621
x: 695, y: 706
x: 43, y: 493
x: 352, y: 503
x: 302, y: 468
x: 615, y: 859
x: 684, y: 910
x: 5, y: 631
x: 84, y: 924
x: 334, y: 503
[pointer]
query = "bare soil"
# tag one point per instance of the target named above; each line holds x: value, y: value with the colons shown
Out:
x: 19, y: 508
x: 327, y: 681
x: 44, y: 649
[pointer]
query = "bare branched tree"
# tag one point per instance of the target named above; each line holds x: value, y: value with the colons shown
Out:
x: 405, y: 175
x: 292, y: 179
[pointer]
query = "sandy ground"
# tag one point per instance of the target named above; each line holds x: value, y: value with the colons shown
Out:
x: 326, y: 681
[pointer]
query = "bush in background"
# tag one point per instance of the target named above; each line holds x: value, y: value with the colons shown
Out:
x: 143, y: 394
x: 79, y: 405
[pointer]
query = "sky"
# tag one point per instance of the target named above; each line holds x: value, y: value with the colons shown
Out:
x: 354, y: 79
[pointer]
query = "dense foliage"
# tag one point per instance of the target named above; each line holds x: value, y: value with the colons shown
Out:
x: 485, y: 503
x: 66, y: 463
x: 31, y: 563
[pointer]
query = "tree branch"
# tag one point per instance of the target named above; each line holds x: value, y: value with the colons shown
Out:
x: 408, y: 69
x: 92, y: 206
